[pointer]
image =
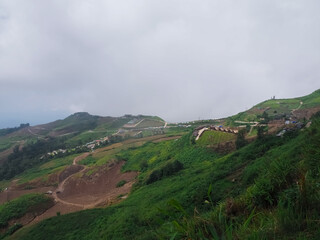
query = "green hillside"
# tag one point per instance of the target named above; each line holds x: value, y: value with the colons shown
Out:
x: 31, y: 204
x: 268, y: 189
x: 23, y: 147
x: 215, y: 137
x: 184, y: 189
x: 312, y: 100
x: 278, y: 108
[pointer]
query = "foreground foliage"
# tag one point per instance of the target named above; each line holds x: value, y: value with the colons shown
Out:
x: 17, y: 208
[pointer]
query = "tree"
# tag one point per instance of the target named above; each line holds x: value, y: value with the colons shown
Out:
x: 265, y: 117
x: 261, y: 132
x: 241, y: 140
x: 144, y: 165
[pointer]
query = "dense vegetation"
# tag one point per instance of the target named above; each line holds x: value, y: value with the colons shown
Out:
x: 281, y: 201
x: 29, y: 156
x: 15, y: 209
x: 267, y: 189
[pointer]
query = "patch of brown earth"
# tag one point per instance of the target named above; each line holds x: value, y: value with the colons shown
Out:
x: 305, y: 113
x: 58, y: 208
x: 50, y: 181
x: 98, y: 188
x: 68, y: 171
x: 275, y: 125
x: 224, y: 148
x: 11, y: 194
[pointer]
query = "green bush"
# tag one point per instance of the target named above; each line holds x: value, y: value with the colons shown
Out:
x: 168, y: 170
x: 20, y: 206
x: 121, y: 183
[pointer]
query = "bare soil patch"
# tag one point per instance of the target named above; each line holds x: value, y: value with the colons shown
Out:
x: 70, y: 170
x: 98, y: 188
x: 58, y: 208
x: 305, y: 113
x: 11, y: 194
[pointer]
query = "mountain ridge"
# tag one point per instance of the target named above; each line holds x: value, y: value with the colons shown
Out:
x: 210, y: 188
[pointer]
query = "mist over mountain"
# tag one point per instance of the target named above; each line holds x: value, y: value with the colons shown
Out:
x: 179, y: 60
x: 162, y: 119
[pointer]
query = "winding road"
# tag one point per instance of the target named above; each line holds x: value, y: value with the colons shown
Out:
x: 60, y: 187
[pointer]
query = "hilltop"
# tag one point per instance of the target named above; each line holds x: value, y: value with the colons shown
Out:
x: 76, y: 129
x: 250, y: 176
x: 294, y: 108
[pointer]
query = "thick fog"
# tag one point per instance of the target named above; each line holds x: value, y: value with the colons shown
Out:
x: 178, y: 59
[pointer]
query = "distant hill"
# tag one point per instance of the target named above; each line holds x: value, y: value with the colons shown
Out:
x: 268, y: 189
x: 294, y: 108
x: 77, y: 128
x: 236, y: 178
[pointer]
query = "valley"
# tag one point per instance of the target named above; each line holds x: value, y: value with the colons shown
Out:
x: 252, y: 175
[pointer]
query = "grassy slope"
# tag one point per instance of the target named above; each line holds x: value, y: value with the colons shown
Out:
x: 278, y: 106
x: 42, y: 171
x: 215, y: 137
x: 265, y: 171
x: 138, y: 216
x: 29, y: 203
x: 83, y: 126
x: 311, y: 100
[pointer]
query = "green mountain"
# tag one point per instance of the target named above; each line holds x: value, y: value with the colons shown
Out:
x: 76, y: 129
x: 172, y: 186
x: 24, y: 147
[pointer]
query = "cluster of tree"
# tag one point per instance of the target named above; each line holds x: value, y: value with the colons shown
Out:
x: 115, y: 139
x: 7, y: 131
x: 168, y: 170
x: 262, y: 131
x: 29, y: 156
x: 265, y: 117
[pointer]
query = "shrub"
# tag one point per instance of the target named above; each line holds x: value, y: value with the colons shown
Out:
x: 121, y: 183
x: 144, y: 165
x: 241, y: 141
x: 167, y: 170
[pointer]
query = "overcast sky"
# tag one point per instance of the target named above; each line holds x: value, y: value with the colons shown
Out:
x: 178, y: 59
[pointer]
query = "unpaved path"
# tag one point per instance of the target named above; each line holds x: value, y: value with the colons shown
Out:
x: 99, y: 189
x: 73, y: 194
x: 301, y: 103
x: 79, y: 158
x: 60, y: 187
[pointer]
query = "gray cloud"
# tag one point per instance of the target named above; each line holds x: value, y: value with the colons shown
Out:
x: 179, y: 59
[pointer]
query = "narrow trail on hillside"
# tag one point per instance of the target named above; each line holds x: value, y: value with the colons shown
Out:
x: 77, y: 191
x: 293, y: 110
x: 60, y: 187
